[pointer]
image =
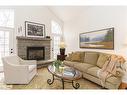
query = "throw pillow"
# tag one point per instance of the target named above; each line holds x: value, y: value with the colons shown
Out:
x: 76, y: 57
x: 68, y: 58
x: 102, y: 59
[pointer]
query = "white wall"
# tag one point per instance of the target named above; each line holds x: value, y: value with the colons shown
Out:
x: 95, y: 18
x: 36, y: 14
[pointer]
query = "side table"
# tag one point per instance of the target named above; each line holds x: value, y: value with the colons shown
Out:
x: 61, y: 57
x: 123, y: 85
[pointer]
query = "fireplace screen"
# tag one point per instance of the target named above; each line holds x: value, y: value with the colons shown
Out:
x: 35, y: 53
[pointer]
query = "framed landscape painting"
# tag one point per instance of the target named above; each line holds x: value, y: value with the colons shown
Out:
x: 99, y: 39
x: 33, y: 29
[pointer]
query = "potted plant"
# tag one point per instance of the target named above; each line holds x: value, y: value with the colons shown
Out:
x: 57, y: 64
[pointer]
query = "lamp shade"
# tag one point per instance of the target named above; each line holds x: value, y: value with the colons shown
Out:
x: 62, y: 44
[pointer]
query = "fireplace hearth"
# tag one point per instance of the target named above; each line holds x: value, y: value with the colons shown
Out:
x: 35, y: 53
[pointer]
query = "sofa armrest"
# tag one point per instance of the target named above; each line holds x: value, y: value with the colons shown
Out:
x: 11, y: 69
x: 18, y: 67
x: 67, y: 58
x: 119, y: 72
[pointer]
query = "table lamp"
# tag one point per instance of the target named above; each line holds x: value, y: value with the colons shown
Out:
x: 62, y: 48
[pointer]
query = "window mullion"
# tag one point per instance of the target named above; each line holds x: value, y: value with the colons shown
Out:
x: 4, y: 43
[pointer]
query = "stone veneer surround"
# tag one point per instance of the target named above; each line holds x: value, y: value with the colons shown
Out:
x: 24, y: 42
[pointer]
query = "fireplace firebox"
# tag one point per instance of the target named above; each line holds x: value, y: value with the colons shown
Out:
x: 35, y: 53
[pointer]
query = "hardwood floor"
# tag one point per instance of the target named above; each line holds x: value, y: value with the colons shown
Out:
x: 40, y: 82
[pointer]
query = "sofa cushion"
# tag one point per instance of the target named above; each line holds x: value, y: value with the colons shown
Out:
x: 91, y: 57
x: 70, y: 63
x: 102, y: 59
x: 114, y: 80
x: 83, y: 66
x: 93, y: 71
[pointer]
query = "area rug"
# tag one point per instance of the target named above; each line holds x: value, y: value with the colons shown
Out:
x: 40, y: 82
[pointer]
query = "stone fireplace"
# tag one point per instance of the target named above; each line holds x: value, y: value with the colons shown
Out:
x: 35, y: 53
x: 31, y: 48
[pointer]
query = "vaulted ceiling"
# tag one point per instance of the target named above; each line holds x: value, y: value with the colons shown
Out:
x: 67, y: 13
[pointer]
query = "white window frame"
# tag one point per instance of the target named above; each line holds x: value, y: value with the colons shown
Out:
x: 59, y: 34
x: 11, y: 34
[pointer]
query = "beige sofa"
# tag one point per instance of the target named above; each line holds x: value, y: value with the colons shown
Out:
x: 89, y: 63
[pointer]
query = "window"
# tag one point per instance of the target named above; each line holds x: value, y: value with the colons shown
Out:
x: 57, y: 34
x: 6, y: 27
x: 7, y: 18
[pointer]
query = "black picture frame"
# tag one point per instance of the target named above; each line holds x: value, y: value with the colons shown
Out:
x: 98, y: 39
x: 33, y: 29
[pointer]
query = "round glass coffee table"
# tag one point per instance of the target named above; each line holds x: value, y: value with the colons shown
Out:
x: 65, y: 74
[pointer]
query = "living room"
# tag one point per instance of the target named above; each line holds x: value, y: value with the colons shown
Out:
x: 35, y: 40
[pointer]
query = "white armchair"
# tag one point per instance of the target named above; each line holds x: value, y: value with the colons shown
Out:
x: 17, y: 70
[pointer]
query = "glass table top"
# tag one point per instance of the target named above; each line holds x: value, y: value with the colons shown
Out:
x: 65, y: 72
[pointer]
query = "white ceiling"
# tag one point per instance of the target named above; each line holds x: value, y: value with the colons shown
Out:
x: 67, y: 13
